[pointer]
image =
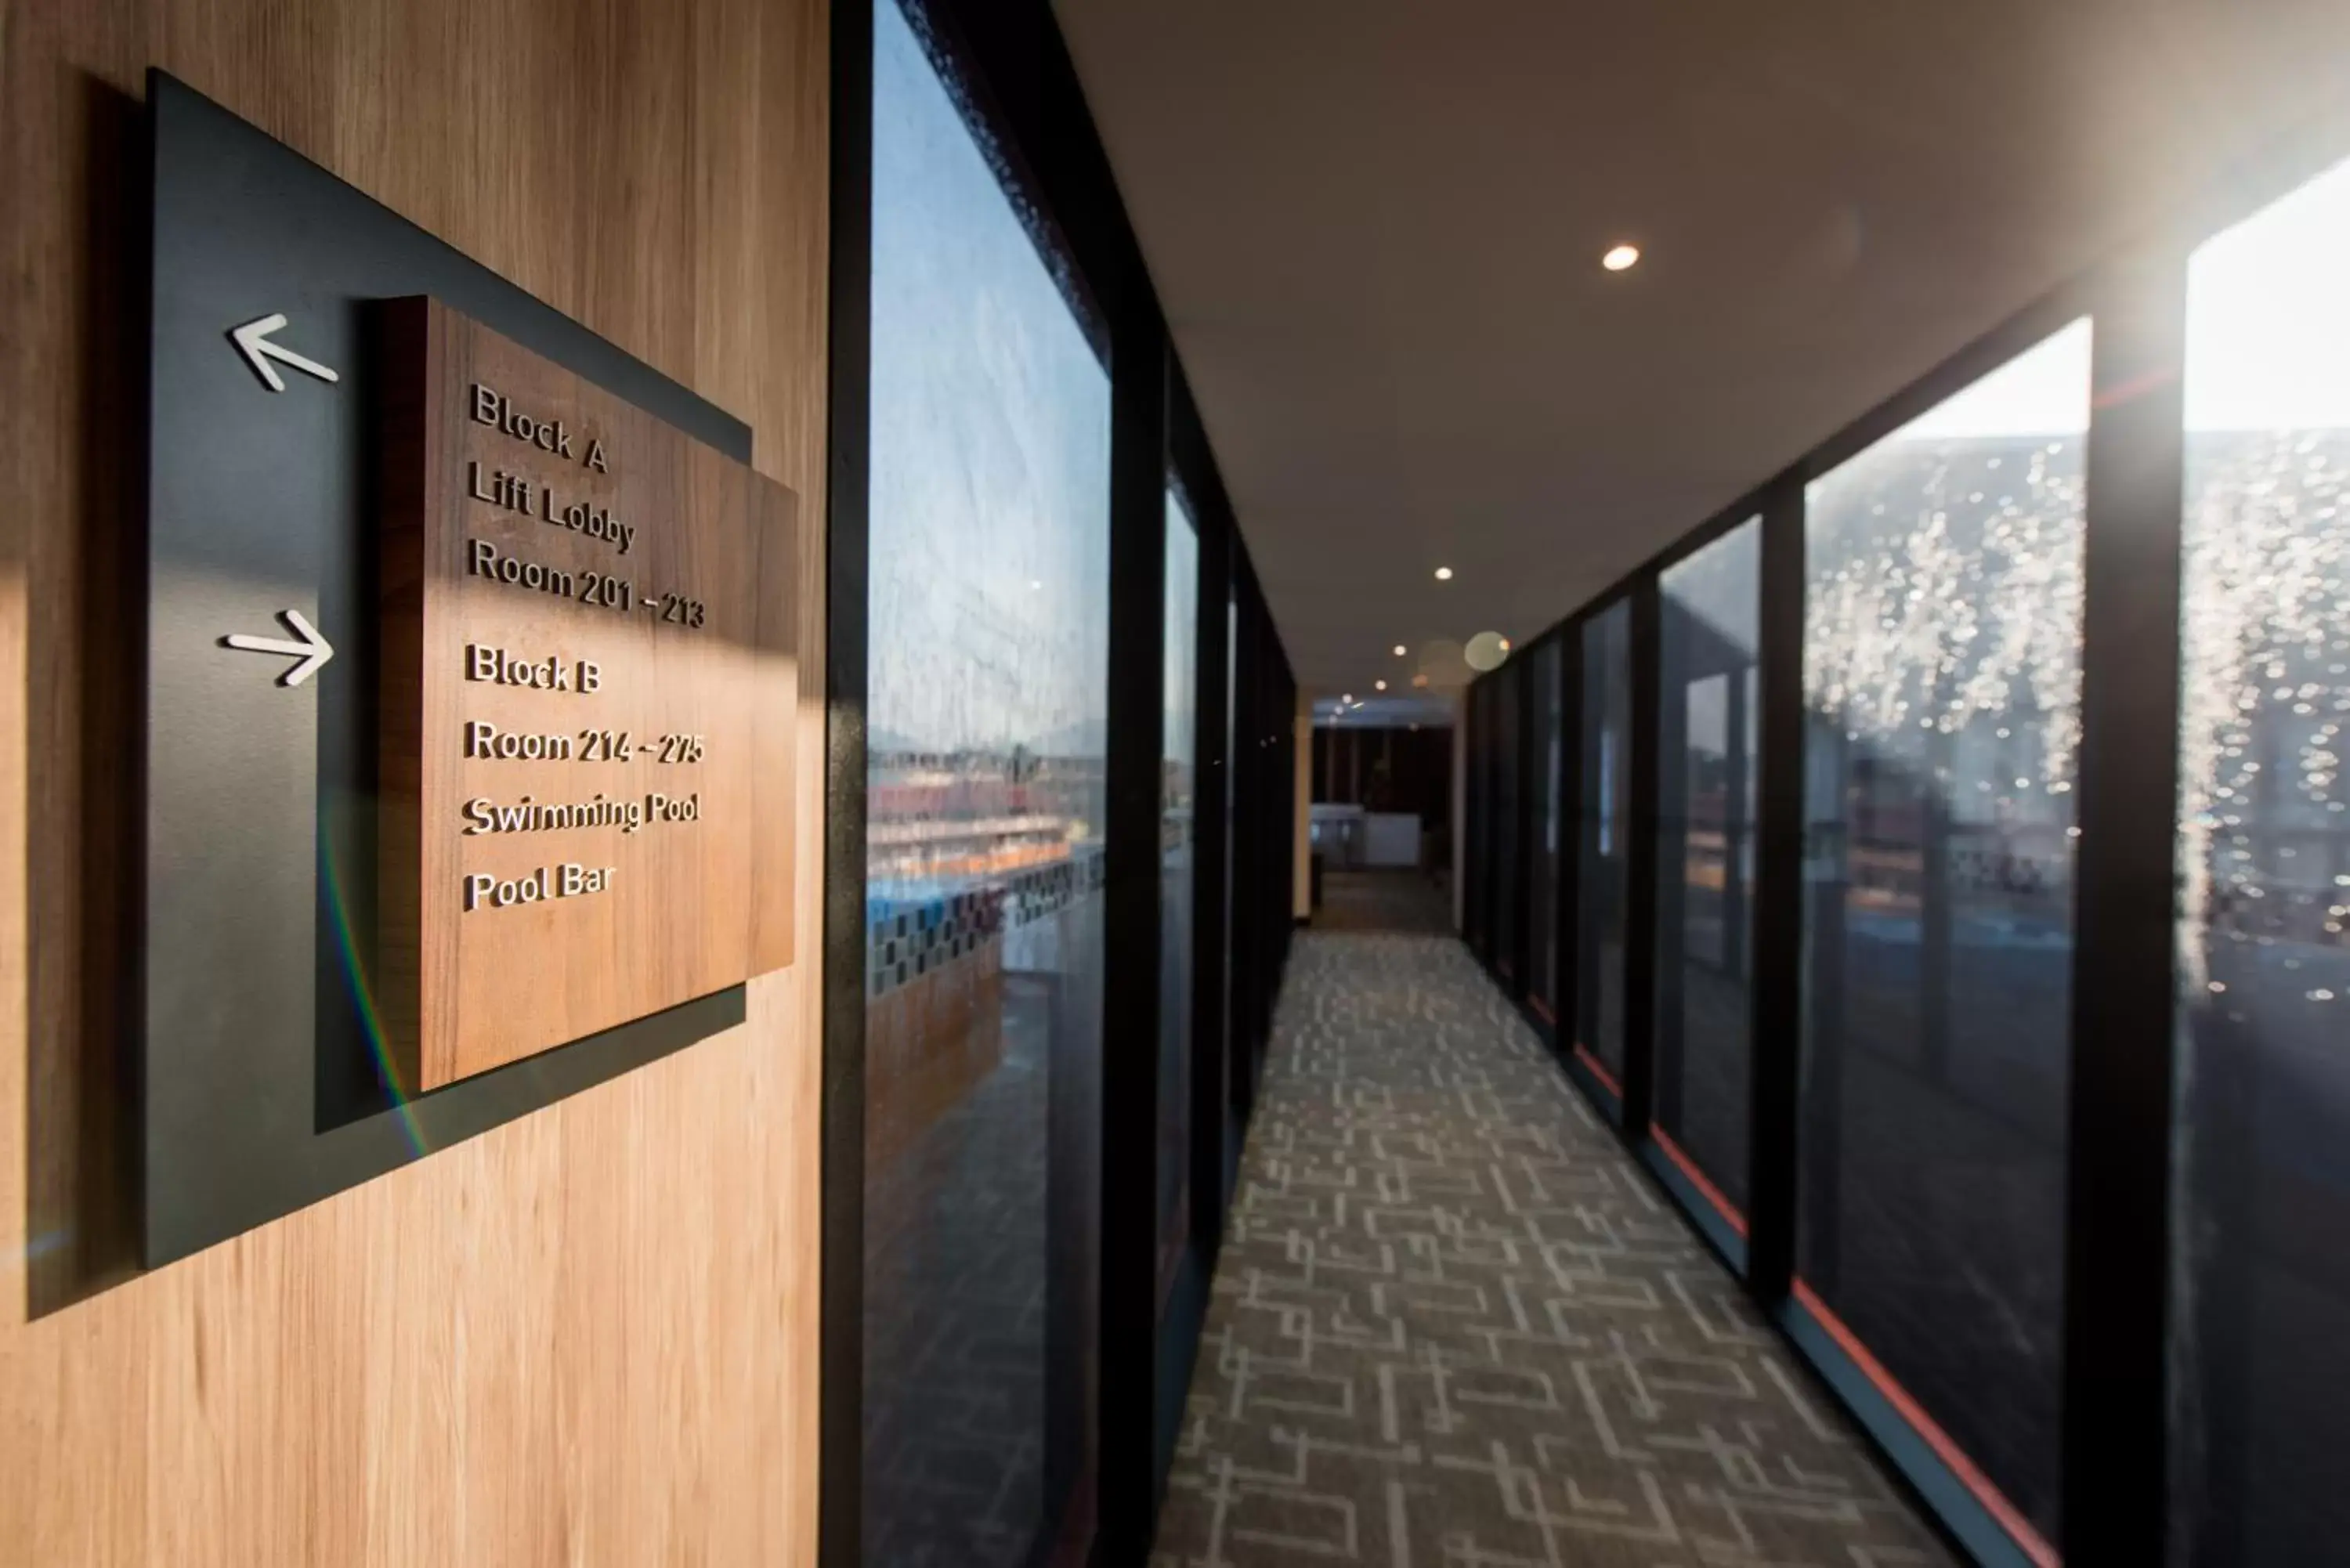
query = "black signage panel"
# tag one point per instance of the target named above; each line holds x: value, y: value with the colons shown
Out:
x: 268, y: 1078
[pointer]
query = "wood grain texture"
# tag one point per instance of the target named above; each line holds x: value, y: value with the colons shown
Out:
x: 588, y: 1336
x: 614, y: 599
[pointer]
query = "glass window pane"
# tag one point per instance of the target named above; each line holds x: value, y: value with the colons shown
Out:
x: 2263, y: 1319
x: 1942, y: 673
x: 988, y: 643
x: 1603, y: 860
x: 1509, y: 876
x: 1708, y: 644
x: 1542, y: 903
x: 1178, y: 758
x: 1227, y: 1033
x: 1478, y: 867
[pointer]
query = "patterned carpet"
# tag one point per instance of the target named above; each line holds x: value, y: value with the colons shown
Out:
x: 1452, y: 1327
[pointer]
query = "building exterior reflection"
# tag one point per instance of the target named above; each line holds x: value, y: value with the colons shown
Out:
x: 2261, y: 1320
x: 986, y: 714
x: 1942, y: 677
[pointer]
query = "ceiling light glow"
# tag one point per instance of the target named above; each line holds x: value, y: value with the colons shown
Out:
x: 1443, y: 573
x: 1378, y: 685
x: 1401, y: 650
x: 1620, y: 258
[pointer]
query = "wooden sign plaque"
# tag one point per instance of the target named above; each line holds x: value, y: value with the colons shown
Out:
x: 589, y: 700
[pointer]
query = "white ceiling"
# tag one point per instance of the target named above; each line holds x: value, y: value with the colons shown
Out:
x: 1375, y: 227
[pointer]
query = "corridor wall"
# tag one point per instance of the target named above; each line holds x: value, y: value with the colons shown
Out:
x: 1960, y: 899
x: 591, y: 1333
x: 1301, y: 802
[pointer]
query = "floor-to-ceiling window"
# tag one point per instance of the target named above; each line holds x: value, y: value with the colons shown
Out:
x: 1177, y: 785
x: 1941, y: 672
x: 1710, y: 697
x: 1230, y: 1028
x: 986, y: 718
x: 1509, y: 872
x: 1478, y: 869
x: 1542, y: 860
x: 2261, y: 1325
x: 1603, y: 858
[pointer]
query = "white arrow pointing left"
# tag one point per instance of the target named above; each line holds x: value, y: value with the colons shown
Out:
x: 253, y: 337
x: 312, y: 651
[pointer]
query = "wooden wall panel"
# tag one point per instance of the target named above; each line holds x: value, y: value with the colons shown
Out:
x: 588, y: 1336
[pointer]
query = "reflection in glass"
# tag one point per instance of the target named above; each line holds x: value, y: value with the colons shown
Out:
x: 1542, y: 900
x: 1223, y: 1048
x: 988, y: 620
x: 1709, y: 641
x: 1509, y: 876
x: 1178, y: 760
x: 1941, y: 674
x: 1479, y: 865
x: 2263, y: 1320
x: 1603, y: 861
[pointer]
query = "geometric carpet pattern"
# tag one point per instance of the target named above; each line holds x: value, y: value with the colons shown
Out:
x: 1453, y: 1327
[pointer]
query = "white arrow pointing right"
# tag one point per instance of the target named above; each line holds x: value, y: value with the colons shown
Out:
x: 313, y: 650
x: 252, y: 339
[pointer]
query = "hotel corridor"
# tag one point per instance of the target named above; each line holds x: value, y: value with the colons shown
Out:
x: 1454, y: 1324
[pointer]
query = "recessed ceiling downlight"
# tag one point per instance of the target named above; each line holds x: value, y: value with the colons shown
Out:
x: 1443, y: 573
x: 1401, y: 650
x: 1486, y: 651
x: 1621, y: 258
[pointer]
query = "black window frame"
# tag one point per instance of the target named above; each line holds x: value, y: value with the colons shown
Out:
x: 2116, y: 1401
